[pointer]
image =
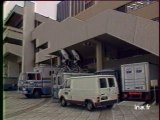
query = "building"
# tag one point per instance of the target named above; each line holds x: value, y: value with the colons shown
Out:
x: 67, y: 9
x: 105, y: 33
x: 12, y: 47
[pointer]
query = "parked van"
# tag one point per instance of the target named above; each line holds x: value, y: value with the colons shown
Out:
x: 90, y: 91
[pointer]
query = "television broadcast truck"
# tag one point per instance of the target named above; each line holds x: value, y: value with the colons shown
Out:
x: 36, y: 83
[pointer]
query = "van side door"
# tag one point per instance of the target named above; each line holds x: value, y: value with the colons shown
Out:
x: 104, y: 89
x: 113, y: 88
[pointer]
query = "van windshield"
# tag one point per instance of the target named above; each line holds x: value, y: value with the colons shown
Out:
x: 103, y: 83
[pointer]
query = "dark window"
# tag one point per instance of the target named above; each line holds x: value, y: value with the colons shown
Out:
x: 128, y: 71
x: 103, y: 83
x: 37, y: 23
x: 156, y: 19
x: 38, y: 76
x: 111, y: 82
x: 31, y: 77
x: 138, y: 71
x: 43, y: 46
x: 89, y: 4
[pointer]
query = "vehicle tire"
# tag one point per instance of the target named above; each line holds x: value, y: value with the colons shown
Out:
x: 36, y: 94
x: 63, y: 102
x: 89, y: 105
x: 28, y: 95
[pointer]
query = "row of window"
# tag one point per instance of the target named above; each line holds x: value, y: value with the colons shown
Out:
x: 64, y: 7
x: 137, y: 5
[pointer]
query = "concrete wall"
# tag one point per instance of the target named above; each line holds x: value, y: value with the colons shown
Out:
x: 127, y: 27
x: 13, y: 49
x: 117, y: 62
x: 14, y: 33
x: 13, y: 72
x: 99, y: 7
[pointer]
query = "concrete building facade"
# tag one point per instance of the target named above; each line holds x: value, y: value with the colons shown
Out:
x: 106, y: 34
x: 13, y: 43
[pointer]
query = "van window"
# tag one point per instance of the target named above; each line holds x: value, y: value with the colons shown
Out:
x: 67, y: 84
x: 111, y: 82
x: 103, y: 83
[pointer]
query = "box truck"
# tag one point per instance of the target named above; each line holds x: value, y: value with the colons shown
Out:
x: 136, y: 79
x: 90, y: 91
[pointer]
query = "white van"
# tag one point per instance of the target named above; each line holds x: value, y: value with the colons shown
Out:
x: 90, y: 91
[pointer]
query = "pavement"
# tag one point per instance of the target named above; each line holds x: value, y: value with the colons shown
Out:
x: 17, y: 107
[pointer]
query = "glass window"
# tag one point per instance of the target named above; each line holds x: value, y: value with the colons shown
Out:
x: 111, y: 82
x: 103, y: 83
x: 31, y: 77
x: 38, y: 76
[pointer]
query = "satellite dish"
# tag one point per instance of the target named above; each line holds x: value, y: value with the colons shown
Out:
x: 75, y: 54
x: 65, y: 54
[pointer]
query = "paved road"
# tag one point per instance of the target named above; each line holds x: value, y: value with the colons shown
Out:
x: 17, y: 107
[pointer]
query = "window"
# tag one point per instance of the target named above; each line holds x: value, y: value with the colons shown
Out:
x: 31, y: 77
x: 37, y: 23
x: 111, y: 82
x: 128, y: 72
x: 89, y: 4
x: 103, y: 83
x: 67, y: 84
x: 38, y: 76
x: 42, y: 47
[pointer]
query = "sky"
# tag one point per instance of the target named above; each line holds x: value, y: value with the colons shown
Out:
x: 46, y: 8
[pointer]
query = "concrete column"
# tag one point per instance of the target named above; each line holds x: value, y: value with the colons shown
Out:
x: 99, y: 56
x: 58, y: 61
x: 28, y: 47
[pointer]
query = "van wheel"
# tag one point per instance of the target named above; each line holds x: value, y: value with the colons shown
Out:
x: 89, y: 106
x: 36, y: 94
x: 63, y: 102
x: 28, y: 96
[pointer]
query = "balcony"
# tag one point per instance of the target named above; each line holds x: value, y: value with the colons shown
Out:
x: 14, y: 16
x: 12, y: 33
x: 13, y: 49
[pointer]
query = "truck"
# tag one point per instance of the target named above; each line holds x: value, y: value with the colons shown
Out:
x: 36, y: 83
x: 90, y: 91
x: 136, y: 80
